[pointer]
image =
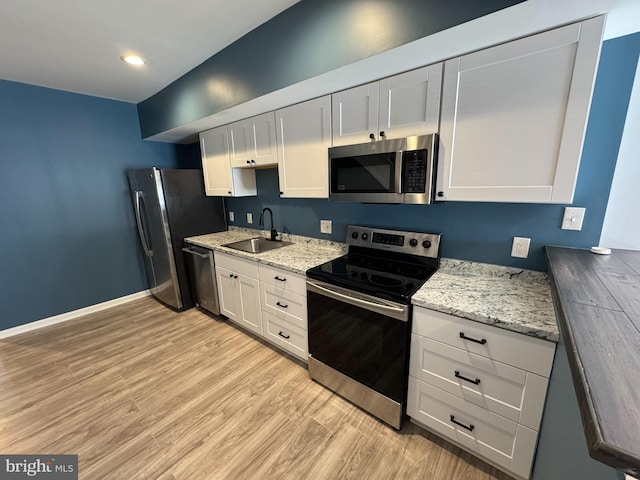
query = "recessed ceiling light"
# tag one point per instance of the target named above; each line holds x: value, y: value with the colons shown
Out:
x: 133, y: 59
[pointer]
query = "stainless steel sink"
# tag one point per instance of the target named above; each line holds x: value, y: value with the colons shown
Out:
x: 257, y: 245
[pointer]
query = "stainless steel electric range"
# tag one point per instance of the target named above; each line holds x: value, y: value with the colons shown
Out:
x: 359, y: 310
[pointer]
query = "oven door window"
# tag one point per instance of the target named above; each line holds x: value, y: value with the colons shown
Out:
x: 369, y: 347
x: 364, y: 174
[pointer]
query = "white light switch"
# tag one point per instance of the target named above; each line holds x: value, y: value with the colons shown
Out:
x: 573, y: 217
x: 325, y: 226
x: 232, y: 216
x: 249, y: 217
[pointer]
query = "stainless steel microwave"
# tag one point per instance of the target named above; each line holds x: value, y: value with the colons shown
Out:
x: 388, y: 171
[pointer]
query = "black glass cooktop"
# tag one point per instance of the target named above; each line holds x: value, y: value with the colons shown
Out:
x: 390, y: 276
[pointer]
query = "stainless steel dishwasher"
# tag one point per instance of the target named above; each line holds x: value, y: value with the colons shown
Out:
x: 203, y: 278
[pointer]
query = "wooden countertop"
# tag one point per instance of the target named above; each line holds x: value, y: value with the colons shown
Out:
x: 597, y: 302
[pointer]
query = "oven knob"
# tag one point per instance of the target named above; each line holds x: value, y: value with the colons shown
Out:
x: 426, y: 244
x: 354, y: 235
x: 413, y: 242
x: 365, y: 236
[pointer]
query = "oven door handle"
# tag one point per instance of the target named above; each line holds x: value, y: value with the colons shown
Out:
x: 399, y: 313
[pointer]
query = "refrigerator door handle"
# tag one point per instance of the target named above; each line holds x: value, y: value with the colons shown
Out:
x: 141, y: 232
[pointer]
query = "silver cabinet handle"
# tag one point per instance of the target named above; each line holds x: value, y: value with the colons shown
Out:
x: 143, y: 238
x: 193, y: 252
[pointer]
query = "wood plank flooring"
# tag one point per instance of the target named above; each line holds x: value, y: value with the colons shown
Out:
x: 142, y: 392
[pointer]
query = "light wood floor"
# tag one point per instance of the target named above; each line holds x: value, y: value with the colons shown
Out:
x: 139, y: 391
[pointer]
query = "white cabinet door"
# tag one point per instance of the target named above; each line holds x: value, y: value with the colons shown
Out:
x: 394, y: 107
x: 219, y: 178
x: 239, y: 299
x: 214, y: 148
x: 354, y: 114
x: 304, y: 136
x: 253, y: 141
x: 514, y: 116
x: 410, y: 103
x: 251, y: 315
x: 262, y: 141
x: 229, y: 293
x: 240, y: 150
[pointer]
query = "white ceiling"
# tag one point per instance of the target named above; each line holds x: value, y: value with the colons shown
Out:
x: 76, y: 45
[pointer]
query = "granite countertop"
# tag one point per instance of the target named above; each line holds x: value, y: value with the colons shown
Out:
x: 598, y: 306
x: 506, y: 297
x: 304, y: 253
x: 510, y: 298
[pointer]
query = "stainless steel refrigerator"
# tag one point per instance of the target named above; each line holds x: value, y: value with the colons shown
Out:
x: 170, y: 205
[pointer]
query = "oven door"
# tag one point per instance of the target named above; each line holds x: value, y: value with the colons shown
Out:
x: 363, y: 337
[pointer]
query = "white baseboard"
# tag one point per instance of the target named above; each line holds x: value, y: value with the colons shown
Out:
x: 63, y: 317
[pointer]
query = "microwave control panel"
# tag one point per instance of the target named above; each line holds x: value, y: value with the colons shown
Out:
x: 414, y: 171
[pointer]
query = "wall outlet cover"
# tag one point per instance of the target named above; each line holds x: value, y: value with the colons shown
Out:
x: 249, y: 217
x: 325, y: 226
x: 520, y: 248
x: 573, y: 217
x: 232, y: 216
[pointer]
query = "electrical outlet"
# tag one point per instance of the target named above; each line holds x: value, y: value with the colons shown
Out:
x: 325, y: 226
x: 573, y: 217
x: 520, y: 247
x: 232, y: 216
x: 249, y: 217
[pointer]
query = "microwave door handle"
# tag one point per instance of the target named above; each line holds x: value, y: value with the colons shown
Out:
x: 373, y: 306
x: 398, y: 172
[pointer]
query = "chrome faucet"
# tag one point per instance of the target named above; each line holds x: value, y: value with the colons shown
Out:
x: 274, y: 232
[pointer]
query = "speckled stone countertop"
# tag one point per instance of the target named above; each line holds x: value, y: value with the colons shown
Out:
x: 304, y: 253
x: 506, y: 297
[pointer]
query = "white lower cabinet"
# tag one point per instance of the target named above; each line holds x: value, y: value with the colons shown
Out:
x: 239, y: 291
x: 472, y: 384
x: 266, y: 300
x: 284, y: 310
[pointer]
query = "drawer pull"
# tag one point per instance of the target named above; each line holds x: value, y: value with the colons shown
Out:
x: 461, y: 377
x: 282, y: 305
x: 471, y: 427
x: 464, y: 337
x: 231, y: 275
x: 280, y: 279
x: 283, y: 335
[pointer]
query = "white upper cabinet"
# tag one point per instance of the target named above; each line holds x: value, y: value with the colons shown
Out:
x: 253, y: 141
x: 303, y: 138
x: 219, y: 178
x: 394, y: 107
x: 410, y: 103
x: 355, y: 114
x: 514, y: 117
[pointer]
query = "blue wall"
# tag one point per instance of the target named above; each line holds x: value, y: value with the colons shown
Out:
x: 308, y: 39
x: 67, y: 230
x: 483, y: 232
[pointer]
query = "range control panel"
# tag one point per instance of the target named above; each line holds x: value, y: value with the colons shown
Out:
x: 414, y: 243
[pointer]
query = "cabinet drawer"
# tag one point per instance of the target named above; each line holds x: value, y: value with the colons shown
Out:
x: 495, y: 438
x: 236, y: 264
x: 522, y: 351
x: 283, y: 303
x: 508, y: 391
x: 286, y: 281
x: 286, y: 335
